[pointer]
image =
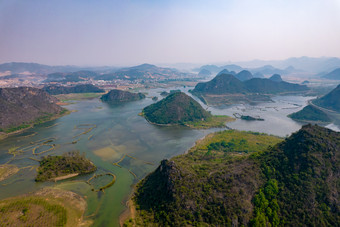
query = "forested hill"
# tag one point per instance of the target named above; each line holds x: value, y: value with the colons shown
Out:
x: 231, y: 179
x: 177, y: 108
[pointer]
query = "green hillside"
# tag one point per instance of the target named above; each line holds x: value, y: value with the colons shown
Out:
x: 330, y: 101
x: 310, y: 113
x: 180, y: 109
x: 236, y: 178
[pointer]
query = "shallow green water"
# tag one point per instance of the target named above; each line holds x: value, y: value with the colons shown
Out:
x: 118, y: 131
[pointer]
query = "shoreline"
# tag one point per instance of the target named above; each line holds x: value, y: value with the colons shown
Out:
x: 192, y: 126
x: 130, y: 211
x: 65, y: 177
x: 4, y: 135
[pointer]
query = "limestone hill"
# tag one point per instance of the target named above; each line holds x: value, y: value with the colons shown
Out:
x: 242, y: 179
x: 180, y: 109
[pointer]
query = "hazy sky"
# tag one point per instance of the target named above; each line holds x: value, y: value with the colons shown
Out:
x: 129, y: 32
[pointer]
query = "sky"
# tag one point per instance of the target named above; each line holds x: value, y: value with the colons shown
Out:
x: 131, y: 32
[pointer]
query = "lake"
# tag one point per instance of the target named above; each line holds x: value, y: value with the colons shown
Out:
x: 116, y: 133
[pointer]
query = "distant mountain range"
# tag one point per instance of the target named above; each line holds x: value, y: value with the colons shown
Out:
x: 34, y: 68
x: 308, y: 64
x: 144, y: 71
x: 283, y: 67
x: 258, y: 72
x: 318, y: 66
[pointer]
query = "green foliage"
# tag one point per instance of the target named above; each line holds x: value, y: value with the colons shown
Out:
x: 69, y: 163
x: 310, y: 113
x: 17, y: 128
x: 300, y: 175
x: 291, y: 183
x: 266, y: 208
x: 207, y: 186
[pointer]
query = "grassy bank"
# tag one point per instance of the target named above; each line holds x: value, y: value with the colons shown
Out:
x: 46, y: 207
x: 4, y: 133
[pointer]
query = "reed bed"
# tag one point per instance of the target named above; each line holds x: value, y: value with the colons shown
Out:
x: 52, y: 125
x: 105, y: 186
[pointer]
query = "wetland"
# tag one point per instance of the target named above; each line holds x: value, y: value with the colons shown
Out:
x: 122, y: 145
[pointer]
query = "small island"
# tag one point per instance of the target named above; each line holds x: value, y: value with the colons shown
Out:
x: 250, y: 118
x: 119, y: 96
x: 180, y: 109
x: 65, y: 166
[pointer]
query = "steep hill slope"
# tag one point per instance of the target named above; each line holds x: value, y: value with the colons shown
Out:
x: 177, y: 108
x: 293, y: 183
x: 334, y: 75
x: 25, y: 105
x: 330, y: 101
x: 221, y: 84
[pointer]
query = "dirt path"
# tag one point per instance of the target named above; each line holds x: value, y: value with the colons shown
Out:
x: 65, y: 177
